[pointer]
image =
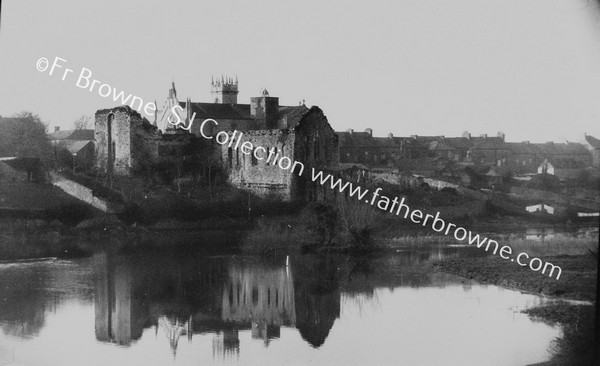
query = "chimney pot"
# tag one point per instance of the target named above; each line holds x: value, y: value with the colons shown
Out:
x: 350, y: 130
x: 369, y: 131
x: 390, y: 135
x: 467, y: 134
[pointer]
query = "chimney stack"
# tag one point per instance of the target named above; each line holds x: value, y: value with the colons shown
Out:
x: 350, y: 131
x: 484, y: 135
x: 369, y: 131
x: 390, y: 135
x: 467, y: 134
x: 501, y: 135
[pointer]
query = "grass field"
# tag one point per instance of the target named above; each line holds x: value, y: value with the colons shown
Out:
x: 32, y: 196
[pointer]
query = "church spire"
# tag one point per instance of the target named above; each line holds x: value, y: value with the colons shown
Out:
x: 173, y: 91
x: 155, y: 114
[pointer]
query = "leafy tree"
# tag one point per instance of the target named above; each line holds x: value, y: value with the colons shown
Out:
x: 24, y: 136
x: 83, y: 123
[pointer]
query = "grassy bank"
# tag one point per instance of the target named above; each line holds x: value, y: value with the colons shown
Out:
x: 578, y: 282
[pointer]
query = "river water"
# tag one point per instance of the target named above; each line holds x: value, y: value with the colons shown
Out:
x: 169, y: 308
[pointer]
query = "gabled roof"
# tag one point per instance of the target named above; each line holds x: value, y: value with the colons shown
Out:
x: 440, y: 145
x: 292, y: 115
x: 365, y: 140
x: 570, y: 148
x: 566, y: 163
x: 74, y: 146
x: 523, y: 148
x: 409, y: 142
x: 355, y: 139
x: 459, y: 143
x: 481, y: 143
x: 220, y: 111
x: 79, y: 135
x: 594, y: 142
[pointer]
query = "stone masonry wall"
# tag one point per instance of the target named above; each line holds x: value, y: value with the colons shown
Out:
x: 258, y: 176
x: 132, y: 138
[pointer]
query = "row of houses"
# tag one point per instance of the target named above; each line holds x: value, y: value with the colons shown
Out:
x: 426, y: 155
x: 122, y: 139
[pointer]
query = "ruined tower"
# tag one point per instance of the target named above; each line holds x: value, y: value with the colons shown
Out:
x: 265, y: 110
x: 224, y: 91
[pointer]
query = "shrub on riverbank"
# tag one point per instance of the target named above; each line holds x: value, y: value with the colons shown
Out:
x: 358, y: 222
x: 576, y: 345
x: 272, y: 235
x: 560, y: 245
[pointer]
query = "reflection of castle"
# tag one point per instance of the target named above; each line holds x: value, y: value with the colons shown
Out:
x: 260, y: 295
x: 174, y: 329
x: 224, y: 298
x: 226, y: 343
x: 114, y: 303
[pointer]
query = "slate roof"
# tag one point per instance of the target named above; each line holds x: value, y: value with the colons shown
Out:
x: 78, y: 135
x: 524, y: 148
x: 365, y: 140
x: 594, y: 142
x: 355, y: 139
x: 74, y: 146
x: 220, y: 111
x: 440, y: 145
x: 293, y: 114
x: 459, y: 143
x: 485, y: 143
x: 567, y: 163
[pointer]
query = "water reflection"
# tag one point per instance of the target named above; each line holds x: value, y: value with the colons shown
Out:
x: 218, y: 295
x: 228, y: 307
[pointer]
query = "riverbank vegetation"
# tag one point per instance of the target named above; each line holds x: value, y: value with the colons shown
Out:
x: 578, y: 260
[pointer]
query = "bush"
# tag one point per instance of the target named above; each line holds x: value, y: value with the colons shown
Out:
x: 134, y: 213
x: 321, y: 219
x: 544, y: 182
x: 358, y: 220
x: 270, y: 236
x: 450, y: 191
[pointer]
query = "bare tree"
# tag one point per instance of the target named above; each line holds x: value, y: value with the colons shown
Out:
x: 82, y: 123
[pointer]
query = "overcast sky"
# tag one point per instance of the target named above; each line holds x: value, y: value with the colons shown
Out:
x: 529, y: 68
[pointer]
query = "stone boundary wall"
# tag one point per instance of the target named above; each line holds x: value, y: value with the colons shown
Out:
x: 81, y: 192
x: 439, y: 184
x: 536, y: 194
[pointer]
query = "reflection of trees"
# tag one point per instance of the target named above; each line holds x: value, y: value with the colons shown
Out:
x: 317, y: 298
x: 22, y: 306
x: 24, y: 299
x: 182, y: 295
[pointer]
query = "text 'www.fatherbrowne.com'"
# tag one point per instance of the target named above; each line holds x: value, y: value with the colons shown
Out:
x: 400, y: 208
